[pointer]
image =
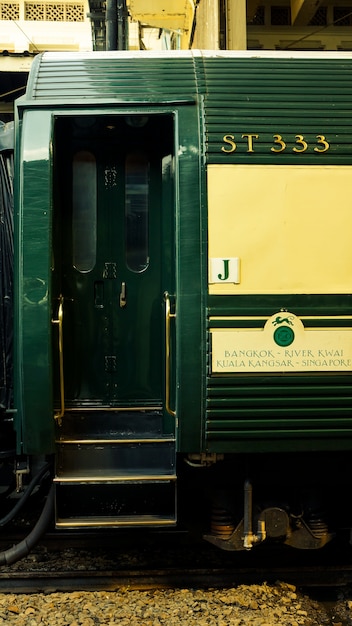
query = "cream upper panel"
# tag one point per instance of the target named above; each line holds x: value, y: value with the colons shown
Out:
x: 285, y: 229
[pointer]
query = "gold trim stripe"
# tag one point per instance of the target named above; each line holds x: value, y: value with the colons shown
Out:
x: 115, y: 479
x: 107, y: 441
x: 91, y: 524
x: 266, y: 317
x: 113, y: 409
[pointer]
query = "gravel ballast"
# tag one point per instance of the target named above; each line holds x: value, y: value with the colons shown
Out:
x: 256, y: 605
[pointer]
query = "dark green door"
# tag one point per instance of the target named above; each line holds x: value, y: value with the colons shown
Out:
x: 115, y: 223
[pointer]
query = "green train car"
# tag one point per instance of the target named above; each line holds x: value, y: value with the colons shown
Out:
x: 183, y: 280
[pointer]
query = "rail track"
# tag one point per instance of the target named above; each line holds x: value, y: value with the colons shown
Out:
x: 63, y: 562
x: 48, y: 581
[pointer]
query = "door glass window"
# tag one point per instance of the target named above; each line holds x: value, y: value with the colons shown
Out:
x: 137, y: 211
x: 84, y: 211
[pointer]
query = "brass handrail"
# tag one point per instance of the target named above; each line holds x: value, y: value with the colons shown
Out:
x: 59, y: 414
x: 168, y: 316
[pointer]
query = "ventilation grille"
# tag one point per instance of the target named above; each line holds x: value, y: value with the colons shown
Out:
x: 54, y: 12
x: 9, y: 11
x: 43, y: 11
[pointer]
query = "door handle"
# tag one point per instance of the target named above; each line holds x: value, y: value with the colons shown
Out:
x: 168, y: 317
x: 123, y: 300
x: 59, y: 321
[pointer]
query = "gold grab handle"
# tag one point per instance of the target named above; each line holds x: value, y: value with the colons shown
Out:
x: 59, y: 415
x: 123, y: 300
x: 168, y: 316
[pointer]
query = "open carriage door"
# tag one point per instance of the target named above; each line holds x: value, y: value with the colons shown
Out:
x: 113, y: 263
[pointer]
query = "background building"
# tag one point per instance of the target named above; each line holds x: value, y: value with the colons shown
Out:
x: 28, y: 27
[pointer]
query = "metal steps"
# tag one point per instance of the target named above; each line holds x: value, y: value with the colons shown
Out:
x: 114, y: 469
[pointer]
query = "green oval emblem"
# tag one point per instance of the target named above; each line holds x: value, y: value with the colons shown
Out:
x: 284, y: 336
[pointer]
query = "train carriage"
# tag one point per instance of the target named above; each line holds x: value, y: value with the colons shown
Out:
x: 183, y: 318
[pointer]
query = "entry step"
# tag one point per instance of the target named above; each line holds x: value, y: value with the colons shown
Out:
x: 115, y: 504
x: 146, y: 456
x: 111, y: 424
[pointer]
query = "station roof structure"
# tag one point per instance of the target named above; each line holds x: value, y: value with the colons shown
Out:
x: 28, y: 27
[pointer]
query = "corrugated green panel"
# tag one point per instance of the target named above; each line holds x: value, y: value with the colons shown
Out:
x: 105, y: 76
x: 277, y: 96
x: 278, y: 411
x: 273, y: 408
